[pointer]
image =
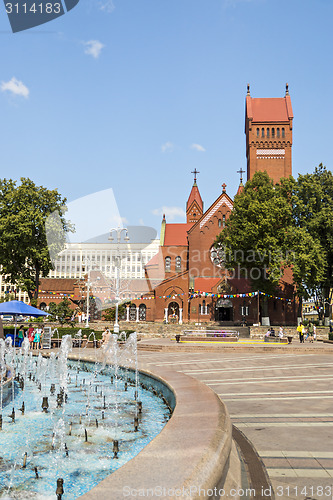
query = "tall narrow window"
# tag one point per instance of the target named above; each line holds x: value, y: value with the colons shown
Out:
x: 267, y: 132
x: 220, y: 223
x: 262, y: 132
x: 283, y: 133
x: 277, y: 132
x: 178, y: 263
x: 223, y: 221
x: 167, y: 264
x: 273, y: 133
x: 258, y: 131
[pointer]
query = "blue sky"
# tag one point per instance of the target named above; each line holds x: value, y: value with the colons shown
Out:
x: 133, y: 95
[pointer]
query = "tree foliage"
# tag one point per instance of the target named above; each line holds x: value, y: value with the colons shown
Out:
x: 24, y: 249
x: 273, y: 227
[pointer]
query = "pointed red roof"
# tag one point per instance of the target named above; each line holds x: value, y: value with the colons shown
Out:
x: 194, y: 196
x: 240, y: 189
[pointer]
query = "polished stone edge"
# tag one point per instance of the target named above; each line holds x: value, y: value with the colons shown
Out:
x: 190, y: 454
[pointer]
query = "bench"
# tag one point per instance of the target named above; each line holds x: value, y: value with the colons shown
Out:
x: 208, y: 336
x: 197, y: 338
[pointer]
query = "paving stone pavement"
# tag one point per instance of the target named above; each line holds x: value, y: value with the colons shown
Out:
x: 282, y: 402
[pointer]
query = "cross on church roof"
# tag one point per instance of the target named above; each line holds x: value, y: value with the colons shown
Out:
x: 223, y: 187
x: 241, y: 172
x: 195, y: 172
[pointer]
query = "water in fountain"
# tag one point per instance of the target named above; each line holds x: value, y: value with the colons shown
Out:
x: 74, y: 438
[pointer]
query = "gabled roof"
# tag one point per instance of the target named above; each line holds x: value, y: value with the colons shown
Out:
x: 176, y: 234
x: 222, y: 199
x: 269, y: 109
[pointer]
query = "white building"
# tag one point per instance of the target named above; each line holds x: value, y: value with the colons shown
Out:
x: 100, y: 254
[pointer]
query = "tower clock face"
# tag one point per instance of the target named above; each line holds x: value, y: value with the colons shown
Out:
x: 217, y: 256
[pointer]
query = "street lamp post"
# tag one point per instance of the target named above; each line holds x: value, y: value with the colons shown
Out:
x: 118, y: 232
x: 87, y: 264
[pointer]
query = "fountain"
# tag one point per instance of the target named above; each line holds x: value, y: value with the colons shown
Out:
x: 77, y: 423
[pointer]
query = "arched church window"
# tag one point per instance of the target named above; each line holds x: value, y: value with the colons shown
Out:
x: 273, y: 133
x: 277, y: 132
x: 220, y: 223
x: 283, y: 133
x: 142, y: 312
x: 167, y: 264
x: 178, y: 263
x: 267, y: 132
x: 223, y: 221
x: 262, y: 132
x: 258, y: 131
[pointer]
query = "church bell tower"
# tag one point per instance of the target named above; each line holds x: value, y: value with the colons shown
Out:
x: 268, y: 129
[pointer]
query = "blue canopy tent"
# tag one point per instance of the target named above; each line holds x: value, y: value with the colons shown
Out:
x: 19, y: 308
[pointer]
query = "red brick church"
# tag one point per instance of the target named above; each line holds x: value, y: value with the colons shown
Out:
x: 185, y: 279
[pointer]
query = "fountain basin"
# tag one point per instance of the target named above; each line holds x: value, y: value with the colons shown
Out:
x: 192, y: 452
x: 90, y: 456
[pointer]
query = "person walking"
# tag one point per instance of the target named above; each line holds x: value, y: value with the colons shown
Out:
x: 310, y: 332
x: 301, y: 330
x: 20, y: 335
x: 314, y: 332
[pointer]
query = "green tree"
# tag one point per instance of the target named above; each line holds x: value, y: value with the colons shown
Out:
x: 254, y: 240
x: 64, y: 312
x: 110, y: 313
x: 313, y: 213
x: 25, y: 212
x: 270, y: 229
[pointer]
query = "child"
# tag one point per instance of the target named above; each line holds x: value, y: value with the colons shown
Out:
x: 31, y: 335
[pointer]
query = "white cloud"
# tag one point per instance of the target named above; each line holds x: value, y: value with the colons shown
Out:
x: 93, y: 48
x: 198, y: 147
x: 106, y: 6
x: 171, y: 213
x: 168, y: 147
x: 15, y: 87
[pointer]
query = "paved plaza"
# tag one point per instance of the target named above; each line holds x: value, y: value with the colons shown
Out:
x: 281, y: 400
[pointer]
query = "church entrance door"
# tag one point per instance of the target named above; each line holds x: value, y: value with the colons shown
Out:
x: 173, y: 312
x: 224, y: 310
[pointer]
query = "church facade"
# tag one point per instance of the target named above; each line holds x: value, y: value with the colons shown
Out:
x: 186, y: 280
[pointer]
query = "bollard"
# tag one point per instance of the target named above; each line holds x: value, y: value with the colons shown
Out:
x: 36, y: 473
x: 86, y: 435
x: 115, y: 449
x: 25, y: 460
x: 70, y: 429
x: 45, y: 404
x: 60, y: 488
x: 0, y: 422
x: 136, y: 424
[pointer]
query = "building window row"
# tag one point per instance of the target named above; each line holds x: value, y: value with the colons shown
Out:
x: 271, y: 132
